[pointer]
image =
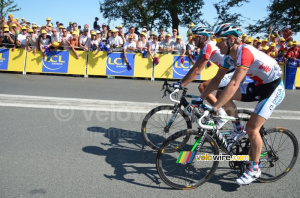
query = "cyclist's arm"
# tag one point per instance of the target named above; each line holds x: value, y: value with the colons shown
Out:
x: 232, y: 87
x: 194, y: 71
x: 214, y: 83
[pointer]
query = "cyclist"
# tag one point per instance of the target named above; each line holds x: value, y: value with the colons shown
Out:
x: 267, y: 89
x: 210, y: 52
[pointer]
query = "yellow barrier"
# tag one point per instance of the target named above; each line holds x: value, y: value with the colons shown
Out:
x: 59, y: 62
x: 97, y: 63
x: 297, y: 80
x: 12, y: 60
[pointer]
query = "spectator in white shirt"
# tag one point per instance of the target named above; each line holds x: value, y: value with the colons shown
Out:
x: 129, y: 46
x: 121, y: 34
x: 94, y: 43
x: 153, y: 47
x: 84, y: 40
x: 142, y: 43
x: 65, y: 40
x: 115, y: 41
x: 44, y: 41
x: 22, y: 38
x: 174, y: 37
x: 166, y: 46
x: 179, y: 46
x: 55, y: 36
x: 131, y: 32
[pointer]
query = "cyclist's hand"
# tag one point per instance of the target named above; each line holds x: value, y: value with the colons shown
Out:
x: 177, y: 85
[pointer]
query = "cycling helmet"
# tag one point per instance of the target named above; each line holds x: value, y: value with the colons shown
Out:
x: 201, y: 30
x: 226, y: 29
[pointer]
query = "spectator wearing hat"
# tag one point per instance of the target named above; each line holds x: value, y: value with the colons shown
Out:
x: 84, y: 40
x: 249, y: 41
x: 244, y: 38
x: 95, y: 23
x: 273, y: 51
x: 60, y: 30
x: 70, y: 27
x: 121, y: 34
x: 65, y: 39
x: 32, y: 41
x: 190, y: 48
x: 166, y: 46
x: 190, y: 29
x: 74, y: 43
x: 281, y: 46
x: 144, y: 30
x: 35, y: 29
x: 151, y: 36
x: 131, y: 32
x: 49, y: 29
x: 55, y: 36
x: 104, y: 32
x: 44, y: 41
x: 294, y: 51
x: 255, y: 41
x: 174, y: 35
x: 115, y: 41
x: 98, y: 36
x: 7, y: 38
x: 129, y: 46
x: 48, y: 21
x: 94, y: 43
x: 153, y: 46
x: 22, y: 38
x: 258, y: 44
x: 290, y: 44
x: 179, y: 46
x: 264, y: 43
x: 287, y: 33
x: 57, y: 25
x: 142, y: 43
x: 23, y: 21
x: 75, y: 29
x: 10, y: 22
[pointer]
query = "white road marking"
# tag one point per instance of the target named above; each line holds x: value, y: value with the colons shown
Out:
x: 43, y: 102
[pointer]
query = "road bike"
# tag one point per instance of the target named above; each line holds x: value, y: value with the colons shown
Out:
x: 180, y: 161
x: 165, y: 120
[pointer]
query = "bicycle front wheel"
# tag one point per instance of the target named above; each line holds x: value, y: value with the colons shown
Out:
x: 180, y: 169
x: 161, y: 122
x: 279, y: 154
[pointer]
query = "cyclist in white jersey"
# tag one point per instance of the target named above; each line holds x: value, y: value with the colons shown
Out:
x: 267, y: 89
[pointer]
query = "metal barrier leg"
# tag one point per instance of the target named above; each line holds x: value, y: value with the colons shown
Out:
x: 24, y: 67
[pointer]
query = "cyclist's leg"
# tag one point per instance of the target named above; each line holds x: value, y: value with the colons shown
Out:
x: 211, y: 98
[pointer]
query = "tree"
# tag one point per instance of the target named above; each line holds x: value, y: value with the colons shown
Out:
x: 280, y: 14
x: 153, y: 13
x: 7, y: 6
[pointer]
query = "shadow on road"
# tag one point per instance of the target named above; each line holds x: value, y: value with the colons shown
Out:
x: 126, y: 153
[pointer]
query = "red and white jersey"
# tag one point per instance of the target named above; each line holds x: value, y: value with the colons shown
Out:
x: 262, y: 68
x: 212, y: 52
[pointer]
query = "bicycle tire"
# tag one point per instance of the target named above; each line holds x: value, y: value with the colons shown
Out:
x: 266, y: 171
x: 154, y: 139
x: 198, y: 176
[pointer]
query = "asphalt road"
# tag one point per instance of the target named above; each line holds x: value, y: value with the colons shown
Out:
x: 44, y: 155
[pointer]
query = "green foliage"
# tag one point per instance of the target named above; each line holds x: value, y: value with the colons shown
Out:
x: 8, y: 6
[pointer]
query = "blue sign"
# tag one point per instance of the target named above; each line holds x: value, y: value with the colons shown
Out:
x: 56, y: 61
x: 181, y: 69
x: 116, y: 65
x: 4, y: 55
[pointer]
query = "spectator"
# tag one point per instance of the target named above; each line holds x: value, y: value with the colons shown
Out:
x: 258, y: 45
x: 244, y: 38
x: 281, y: 47
x: 174, y: 37
x: 61, y: 28
x: 57, y: 25
x: 144, y: 30
x: 249, y: 40
x: 179, y: 46
x: 94, y: 43
x: 14, y: 31
x: 35, y: 30
x: 98, y: 36
x: 75, y: 29
x: 55, y: 36
x: 273, y: 51
x: 129, y: 46
x: 44, y: 41
x: 264, y: 43
x: 287, y: 33
x: 265, y: 49
x: 32, y: 41
x: 166, y: 46
x: 48, y: 21
x: 160, y: 38
x: 86, y: 26
x: 121, y: 34
x: 151, y: 36
x: 115, y: 41
x: 255, y: 42
x: 104, y: 32
x: 190, y: 48
x: 84, y: 40
x: 70, y: 27
x: 95, y: 23
x: 290, y: 44
x: 131, y: 32
x: 22, y: 38
x: 49, y: 29
x: 142, y: 44
x: 11, y: 22
x: 74, y: 43
x: 8, y: 38
x: 161, y: 34
x: 190, y: 29
x: 65, y: 40
x: 153, y: 47
x: 294, y: 52
x: 23, y: 21
x: 190, y: 37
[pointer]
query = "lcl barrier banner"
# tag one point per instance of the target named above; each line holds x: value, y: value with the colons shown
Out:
x: 297, y: 81
x: 59, y: 62
x: 12, y: 60
x: 291, y: 70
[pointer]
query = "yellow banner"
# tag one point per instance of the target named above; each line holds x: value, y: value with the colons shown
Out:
x: 142, y: 66
x: 97, y: 63
x: 12, y: 60
x: 297, y: 80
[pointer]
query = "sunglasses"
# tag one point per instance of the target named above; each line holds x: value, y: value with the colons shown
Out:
x: 64, y: 31
x: 174, y: 31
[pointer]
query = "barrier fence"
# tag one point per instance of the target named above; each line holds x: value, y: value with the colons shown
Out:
x: 100, y: 63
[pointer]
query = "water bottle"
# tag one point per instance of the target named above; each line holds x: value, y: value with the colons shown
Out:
x: 208, y: 64
x: 156, y: 60
x: 144, y: 54
x: 129, y: 66
x: 182, y: 60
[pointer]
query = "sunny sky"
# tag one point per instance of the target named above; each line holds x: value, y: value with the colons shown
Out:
x: 84, y: 12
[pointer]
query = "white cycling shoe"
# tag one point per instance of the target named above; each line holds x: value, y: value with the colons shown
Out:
x: 248, y: 177
x: 237, y: 136
x: 220, y: 123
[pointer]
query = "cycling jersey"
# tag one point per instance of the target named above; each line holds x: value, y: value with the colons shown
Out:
x: 211, y: 52
x: 262, y: 69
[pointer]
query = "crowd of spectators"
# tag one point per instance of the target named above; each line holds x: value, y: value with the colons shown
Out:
x: 30, y: 36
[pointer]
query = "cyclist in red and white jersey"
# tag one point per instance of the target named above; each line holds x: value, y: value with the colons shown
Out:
x: 267, y: 89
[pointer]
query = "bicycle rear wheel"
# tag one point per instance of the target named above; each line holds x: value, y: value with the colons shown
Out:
x: 154, y: 126
x: 172, y: 168
x: 279, y: 154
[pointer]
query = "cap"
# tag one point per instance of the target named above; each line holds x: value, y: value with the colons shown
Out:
x: 144, y: 29
x: 60, y: 27
x: 296, y: 43
x: 24, y: 28
x: 215, y: 40
x: 74, y: 32
x: 70, y: 23
x: 55, y: 44
x: 273, y: 36
x: 259, y: 41
x: 265, y: 48
x: 5, y: 26
x: 265, y: 40
x: 290, y: 43
x: 16, y: 19
x: 103, y: 24
x: 48, y: 19
x: 98, y: 32
x: 6, y: 30
x: 114, y: 30
x: 14, y: 25
x: 33, y: 26
x: 49, y: 25
x: 152, y: 33
x: 43, y: 32
x: 273, y: 45
x: 168, y: 35
x: 178, y: 37
x: 120, y: 26
x: 244, y: 35
x: 131, y: 36
x: 30, y: 31
x: 192, y: 24
x: 23, y: 18
x: 282, y: 39
x: 93, y: 33
x: 10, y: 15
x: 144, y: 34
x: 255, y: 39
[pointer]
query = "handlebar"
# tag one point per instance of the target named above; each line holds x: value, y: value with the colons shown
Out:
x: 174, y: 92
x: 208, y: 127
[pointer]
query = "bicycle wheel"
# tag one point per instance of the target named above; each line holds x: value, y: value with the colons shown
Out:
x: 279, y: 154
x: 181, y: 175
x: 154, y: 125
